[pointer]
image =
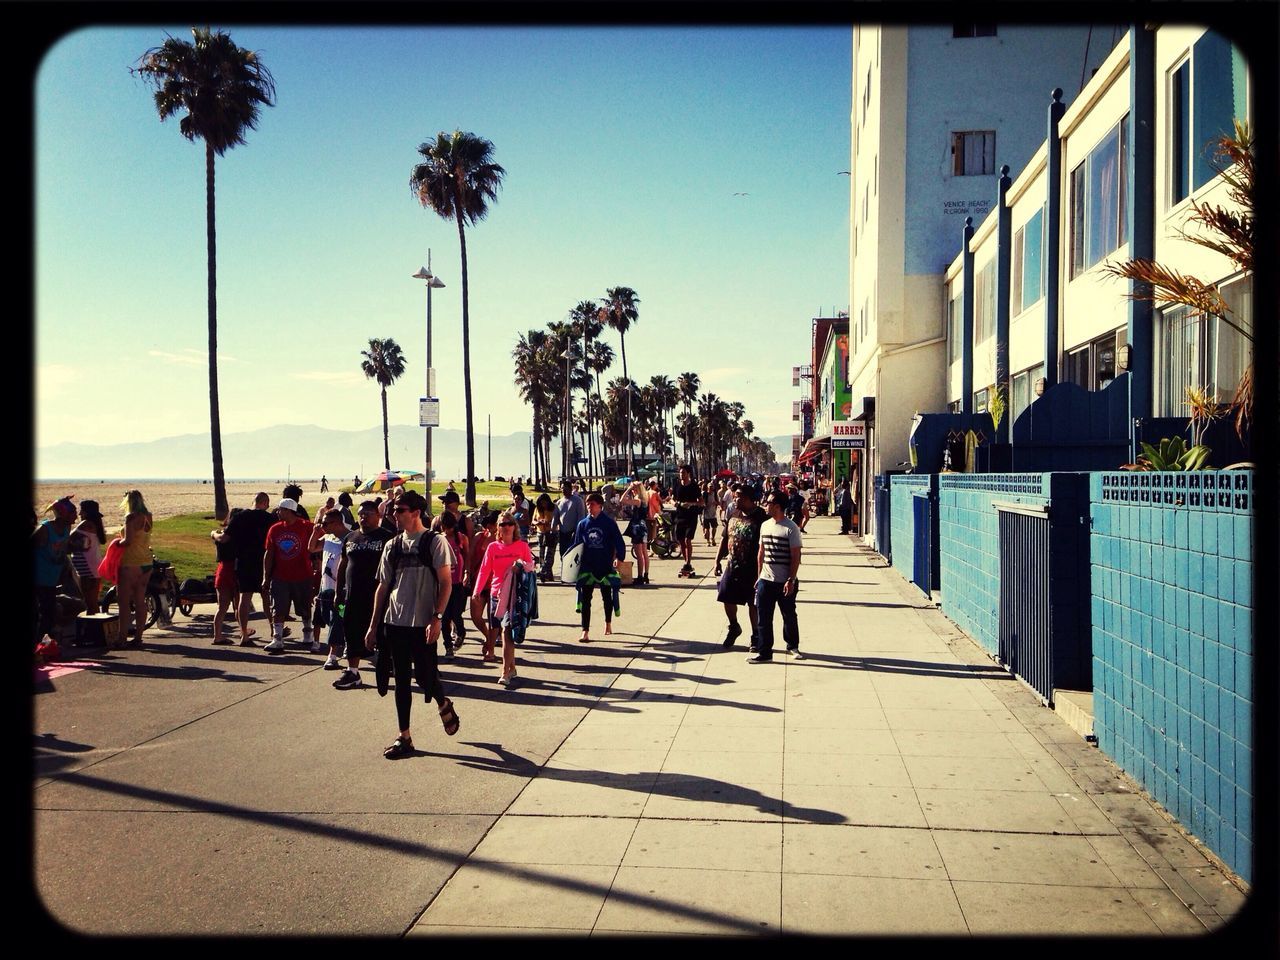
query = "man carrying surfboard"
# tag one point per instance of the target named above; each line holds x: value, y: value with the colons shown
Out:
x: 602, y: 548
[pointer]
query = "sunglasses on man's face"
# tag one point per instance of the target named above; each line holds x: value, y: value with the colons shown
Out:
x: 405, y: 510
x: 507, y: 523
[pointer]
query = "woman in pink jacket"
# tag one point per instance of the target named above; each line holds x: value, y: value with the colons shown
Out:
x: 498, y: 558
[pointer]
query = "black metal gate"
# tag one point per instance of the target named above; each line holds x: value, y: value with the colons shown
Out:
x: 924, y: 561
x: 1026, y: 633
x: 883, y: 526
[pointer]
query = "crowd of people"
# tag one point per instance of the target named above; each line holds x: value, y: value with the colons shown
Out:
x: 385, y: 581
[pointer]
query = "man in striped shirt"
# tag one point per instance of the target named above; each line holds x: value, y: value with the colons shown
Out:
x: 778, y: 563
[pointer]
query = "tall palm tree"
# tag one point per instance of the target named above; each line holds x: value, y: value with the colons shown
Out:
x: 458, y: 179
x: 619, y: 313
x: 587, y: 327
x: 384, y: 362
x: 217, y: 88
x: 688, y: 384
x: 531, y: 378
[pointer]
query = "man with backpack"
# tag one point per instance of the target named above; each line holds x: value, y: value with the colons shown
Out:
x: 415, y: 580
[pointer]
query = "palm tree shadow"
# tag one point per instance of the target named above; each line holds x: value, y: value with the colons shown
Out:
x: 677, y: 785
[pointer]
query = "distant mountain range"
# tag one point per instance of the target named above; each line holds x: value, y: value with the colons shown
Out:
x: 304, y: 451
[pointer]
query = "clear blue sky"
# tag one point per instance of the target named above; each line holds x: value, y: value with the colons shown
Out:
x: 623, y: 149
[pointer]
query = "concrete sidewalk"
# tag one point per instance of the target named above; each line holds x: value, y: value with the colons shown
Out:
x: 895, y: 781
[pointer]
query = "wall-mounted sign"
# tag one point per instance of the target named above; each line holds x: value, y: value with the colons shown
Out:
x: 848, y: 435
x: 428, y: 412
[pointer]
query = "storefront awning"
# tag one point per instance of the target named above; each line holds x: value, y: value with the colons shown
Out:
x: 814, y: 447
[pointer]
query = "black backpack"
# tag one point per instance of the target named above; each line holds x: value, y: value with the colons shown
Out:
x: 400, y: 556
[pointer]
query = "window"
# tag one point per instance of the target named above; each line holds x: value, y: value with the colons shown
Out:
x: 1206, y: 93
x: 955, y: 311
x: 1028, y: 263
x: 966, y: 30
x: 984, y: 303
x: 973, y: 153
x: 1093, y: 365
x: 1099, y: 200
x: 1023, y: 393
x: 1203, y: 351
x: 980, y: 401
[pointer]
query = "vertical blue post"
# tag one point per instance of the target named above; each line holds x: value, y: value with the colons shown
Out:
x: 1140, y: 173
x: 966, y: 331
x: 1053, y: 252
x: 1004, y: 257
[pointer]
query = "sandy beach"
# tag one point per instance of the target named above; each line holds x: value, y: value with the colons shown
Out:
x: 167, y: 499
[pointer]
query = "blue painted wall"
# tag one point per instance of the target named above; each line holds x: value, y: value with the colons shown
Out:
x: 901, y: 498
x: 969, y: 532
x: 1172, y: 573
x: 1030, y: 62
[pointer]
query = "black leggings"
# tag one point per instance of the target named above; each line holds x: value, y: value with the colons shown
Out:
x: 411, y: 656
x: 608, y: 596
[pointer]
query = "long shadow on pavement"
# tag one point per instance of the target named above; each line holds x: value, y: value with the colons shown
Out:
x: 921, y: 668
x: 679, y: 785
x: 298, y: 824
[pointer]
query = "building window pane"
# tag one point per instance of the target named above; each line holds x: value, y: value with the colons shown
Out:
x: 973, y: 153
x: 1180, y: 132
x: 980, y: 401
x: 1099, y: 218
x: 1218, y: 89
x: 1030, y: 263
x: 966, y: 30
x: 984, y: 303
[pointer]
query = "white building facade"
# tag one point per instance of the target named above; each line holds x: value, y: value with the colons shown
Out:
x: 923, y: 158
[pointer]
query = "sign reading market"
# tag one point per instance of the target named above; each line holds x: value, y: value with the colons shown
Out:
x: 848, y: 435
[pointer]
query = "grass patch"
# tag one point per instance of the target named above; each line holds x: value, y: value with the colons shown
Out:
x: 184, y: 541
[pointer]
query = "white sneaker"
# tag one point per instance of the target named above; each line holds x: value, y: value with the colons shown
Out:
x: 315, y: 646
x: 333, y: 663
x: 275, y: 646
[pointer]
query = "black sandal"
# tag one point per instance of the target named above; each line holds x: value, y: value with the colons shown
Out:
x: 402, y: 747
x: 449, y: 717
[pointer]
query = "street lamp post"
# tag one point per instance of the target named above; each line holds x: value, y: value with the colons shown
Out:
x: 567, y: 437
x: 433, y: 283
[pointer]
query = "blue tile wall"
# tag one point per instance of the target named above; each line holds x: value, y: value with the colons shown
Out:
x: 1171, y: 570
x: 902, y: 519
x: 969, y: 542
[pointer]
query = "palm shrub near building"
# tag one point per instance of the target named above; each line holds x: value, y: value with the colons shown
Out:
x: 1229, y: 231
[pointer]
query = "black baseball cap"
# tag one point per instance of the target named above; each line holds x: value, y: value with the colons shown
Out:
x: 450, y: 496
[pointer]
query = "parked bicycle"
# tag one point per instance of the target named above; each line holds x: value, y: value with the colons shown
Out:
x: 163, y: 595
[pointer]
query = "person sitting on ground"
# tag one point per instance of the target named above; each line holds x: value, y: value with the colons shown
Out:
x: 86, y: 543
x: 602, y: 548
x: 49, y: 546
x: 414, y: 582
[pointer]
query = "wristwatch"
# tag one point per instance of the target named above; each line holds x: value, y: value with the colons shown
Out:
x: 439, y: 616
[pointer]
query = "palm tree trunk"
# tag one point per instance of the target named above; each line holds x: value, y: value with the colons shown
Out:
x: 386, y: 448
x: 631, y: 453
x: 215, y: 418
x: 466, y: 363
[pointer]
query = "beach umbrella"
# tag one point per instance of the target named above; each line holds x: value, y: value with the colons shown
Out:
x: 408, y: 474
x: 385, y: 480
